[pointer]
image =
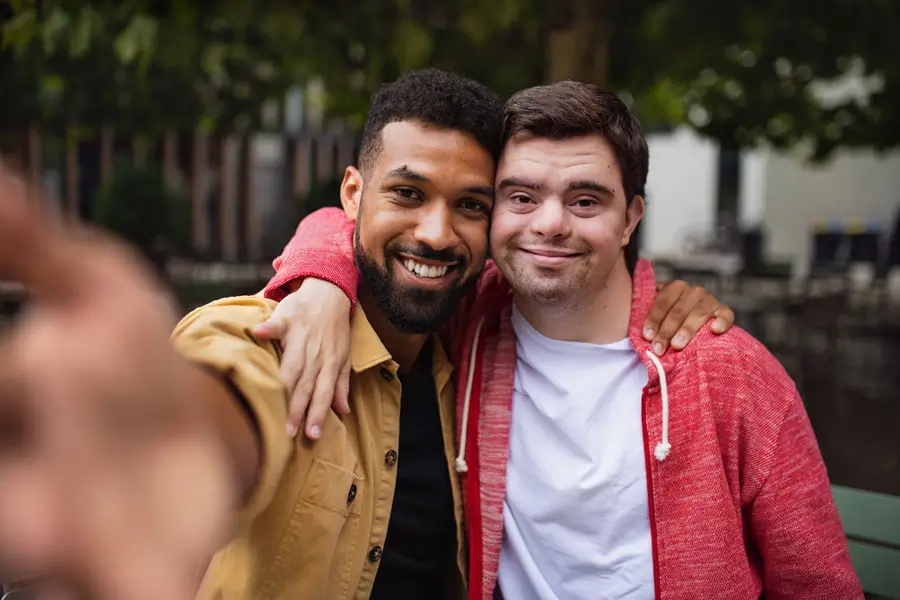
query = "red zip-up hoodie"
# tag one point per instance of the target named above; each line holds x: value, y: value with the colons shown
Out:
x: 740, y: 503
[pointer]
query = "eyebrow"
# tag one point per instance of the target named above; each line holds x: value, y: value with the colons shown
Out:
x: 519, y: 182
x: 405, y: 172
x: 590, y: 185
x: 535, y: 186
x: 481, y: 190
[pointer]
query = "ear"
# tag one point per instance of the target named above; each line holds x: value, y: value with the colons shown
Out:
x: 633, y: 215
x: 351, y: 192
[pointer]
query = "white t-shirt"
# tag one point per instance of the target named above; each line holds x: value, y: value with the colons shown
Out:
x: 576, y: 521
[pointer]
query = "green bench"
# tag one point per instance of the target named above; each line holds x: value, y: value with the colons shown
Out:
x: 872, y: 524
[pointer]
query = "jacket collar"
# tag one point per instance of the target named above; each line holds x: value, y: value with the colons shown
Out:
x: 367, y: 350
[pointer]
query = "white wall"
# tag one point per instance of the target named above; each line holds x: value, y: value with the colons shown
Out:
x: 853, y: 185
x: 681, y: 191
x: 780, y: 191
x: 752, y: 189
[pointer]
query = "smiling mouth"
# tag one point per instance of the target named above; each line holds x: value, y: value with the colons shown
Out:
x: 550, y: 253
x: 426, y: 271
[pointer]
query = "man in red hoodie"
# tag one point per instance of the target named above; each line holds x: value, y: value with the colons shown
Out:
x: 592, y: 466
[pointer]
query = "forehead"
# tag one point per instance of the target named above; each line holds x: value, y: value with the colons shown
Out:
x: 435, y: 152
x: 554, y: 163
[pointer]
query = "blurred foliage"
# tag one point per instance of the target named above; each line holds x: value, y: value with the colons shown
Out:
x: 321, y: 195
x: 743, y: 72
x: 283, y: 226
x: 137, y: 204
x: 194, y: 294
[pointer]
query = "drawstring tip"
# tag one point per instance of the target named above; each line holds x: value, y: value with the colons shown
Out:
x: 461, y: 466
x: 661, y: 452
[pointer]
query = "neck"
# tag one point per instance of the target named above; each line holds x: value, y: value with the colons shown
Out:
x: 600, y: 318
x: 404, y: 347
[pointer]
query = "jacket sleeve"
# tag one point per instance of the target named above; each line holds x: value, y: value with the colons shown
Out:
x: 794, y: 520
x: 322, y: 247
x: 218, y: 336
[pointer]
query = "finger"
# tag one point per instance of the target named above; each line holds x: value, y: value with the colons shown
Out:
x: 272, y: 329
x: 293, y: 366
x: 322, y: 397
x: 342, y: 390
x: 665, y: 300
x: 702, y: 312
x: 724, y: 319
x: 31, y: 250
x: 674, y: 320
x: 29, y: 524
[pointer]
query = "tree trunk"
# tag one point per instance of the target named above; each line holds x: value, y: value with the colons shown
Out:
x: 578, y: 41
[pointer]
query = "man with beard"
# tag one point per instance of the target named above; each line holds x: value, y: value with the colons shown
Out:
x: 336, y: 518
x: 126, y: 464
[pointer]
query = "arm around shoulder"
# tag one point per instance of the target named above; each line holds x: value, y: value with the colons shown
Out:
x: 322, y: 247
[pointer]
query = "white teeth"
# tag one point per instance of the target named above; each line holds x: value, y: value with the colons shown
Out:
x: 429, y: 271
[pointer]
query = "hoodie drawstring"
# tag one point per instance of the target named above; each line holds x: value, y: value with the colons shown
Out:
x: 461, y: 466
x: 663, y: 447
x: 660, y: 452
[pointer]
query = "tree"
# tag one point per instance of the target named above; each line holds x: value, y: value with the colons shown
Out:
x: 741, y: 72
x: 147, y: 66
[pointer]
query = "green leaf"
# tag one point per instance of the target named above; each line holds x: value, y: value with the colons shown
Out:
x: 137, y: 39
x: 20, y: 30
x: 412, y: 45
x: 53, y: 84
x: 80, y: 42
x: 54, y: 29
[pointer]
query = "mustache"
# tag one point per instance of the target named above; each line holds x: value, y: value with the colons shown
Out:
x: 522, y: 242
x: 428, y: 253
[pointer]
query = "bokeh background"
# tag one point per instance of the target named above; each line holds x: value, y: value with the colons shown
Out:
x: 203, y: 131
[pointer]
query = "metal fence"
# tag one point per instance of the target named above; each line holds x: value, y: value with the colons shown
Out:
x: 246, y: 190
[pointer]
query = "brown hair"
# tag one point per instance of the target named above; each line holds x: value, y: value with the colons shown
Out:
x: 570, y: 109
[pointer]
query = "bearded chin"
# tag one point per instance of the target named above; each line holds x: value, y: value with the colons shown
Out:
x: 410, y: 309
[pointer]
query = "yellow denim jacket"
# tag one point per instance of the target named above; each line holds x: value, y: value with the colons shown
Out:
x: 317, y: 519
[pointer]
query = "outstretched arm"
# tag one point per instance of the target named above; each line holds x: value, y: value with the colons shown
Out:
x: 122, y: 460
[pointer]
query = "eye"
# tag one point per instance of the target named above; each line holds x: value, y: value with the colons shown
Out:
x: 520, y: 199
x: 407, y: 193
x: 586, y: 202
x: 470, y: 205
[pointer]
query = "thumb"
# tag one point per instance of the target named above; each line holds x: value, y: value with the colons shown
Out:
x: 23, y: 233
x: 273, y: 329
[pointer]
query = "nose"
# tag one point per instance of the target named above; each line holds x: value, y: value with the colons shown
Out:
x: 435, y: 227
x: 550, y: 220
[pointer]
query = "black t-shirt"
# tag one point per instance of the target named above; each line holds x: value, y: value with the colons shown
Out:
x: 421, y: 538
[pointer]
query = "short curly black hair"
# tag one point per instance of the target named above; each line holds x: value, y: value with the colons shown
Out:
x: 434, y: 97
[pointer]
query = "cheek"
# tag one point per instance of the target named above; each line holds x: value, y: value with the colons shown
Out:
x: 474, y: 235
x: 504, y: 226
x: 604, y: 237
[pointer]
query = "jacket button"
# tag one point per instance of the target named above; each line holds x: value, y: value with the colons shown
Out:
x: 375, y: 554
x: 386, y: 374
x: 390, y: 458
x: 351, y: 495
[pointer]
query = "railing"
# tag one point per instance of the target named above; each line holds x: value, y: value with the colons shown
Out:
x: 245, y: 189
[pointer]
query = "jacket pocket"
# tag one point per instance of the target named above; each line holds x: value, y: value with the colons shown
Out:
x: 332, y: 487
x: 319, y: 546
